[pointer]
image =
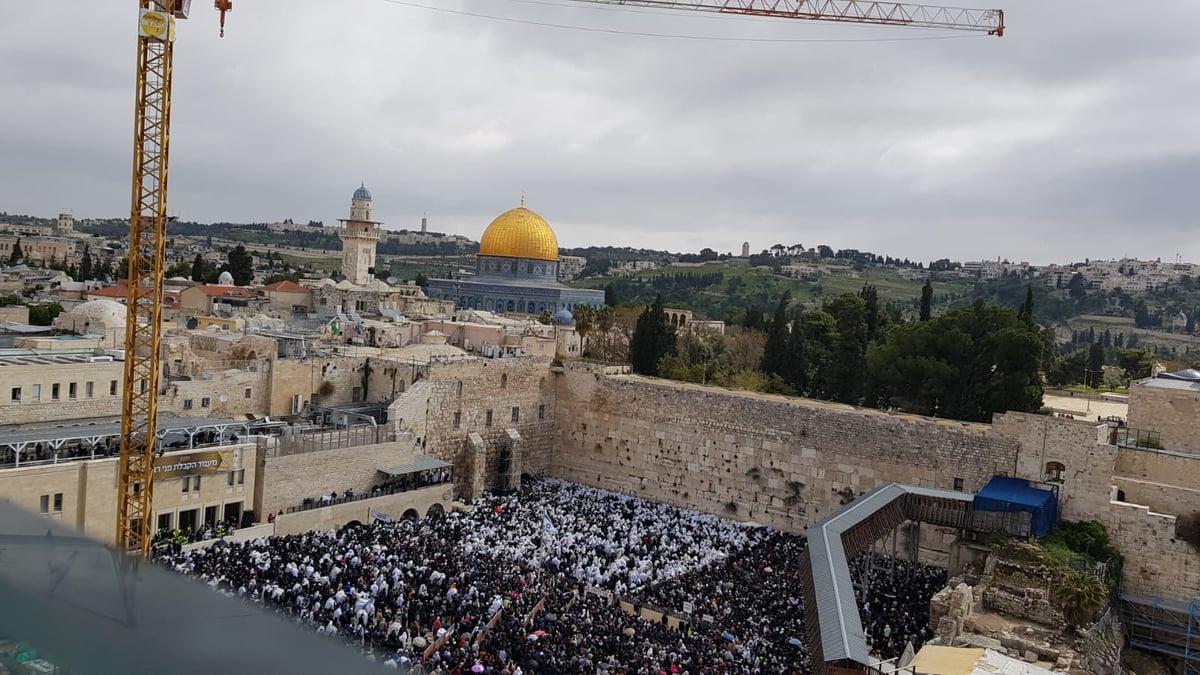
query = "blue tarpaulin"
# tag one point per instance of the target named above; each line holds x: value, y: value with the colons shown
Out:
x: 1014, y: 494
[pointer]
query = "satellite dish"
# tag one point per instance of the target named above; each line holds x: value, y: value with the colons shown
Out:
x: 223, y: 398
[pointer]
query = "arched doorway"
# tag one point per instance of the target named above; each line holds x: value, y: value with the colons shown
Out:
x: 435, y: 510
x: 411, y: 514
x: 504, y: 469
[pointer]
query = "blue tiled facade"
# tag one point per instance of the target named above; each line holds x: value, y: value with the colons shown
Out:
x: 519, y: 285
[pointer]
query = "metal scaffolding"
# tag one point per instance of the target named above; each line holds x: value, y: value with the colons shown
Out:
x: 1166, y: 627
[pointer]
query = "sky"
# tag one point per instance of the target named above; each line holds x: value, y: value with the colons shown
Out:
x: 1073, y: 136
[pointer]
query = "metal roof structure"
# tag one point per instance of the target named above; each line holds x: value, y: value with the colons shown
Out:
x: 91, y: 434
x: 832, y: 623
x: 420, y: 463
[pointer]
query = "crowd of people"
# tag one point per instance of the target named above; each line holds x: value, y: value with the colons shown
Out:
x: 893, y: 602
x: 531, y: 583
x: 402, y: 483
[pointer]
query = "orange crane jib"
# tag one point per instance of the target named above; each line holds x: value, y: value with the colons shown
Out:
x: 223, y: 6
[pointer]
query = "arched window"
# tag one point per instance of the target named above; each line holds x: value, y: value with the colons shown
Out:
x: 504, y: 380
x: 1055, y: 472
x: 458, y: 389
x: 512, y: 306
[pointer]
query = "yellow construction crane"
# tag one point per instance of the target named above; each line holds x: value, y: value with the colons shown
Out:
x: 148, y: 219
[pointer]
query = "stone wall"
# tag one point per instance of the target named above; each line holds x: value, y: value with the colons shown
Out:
x: 394, y: 505
x: 1159, y: 466
x: 38, y: 405
x: 289, y: 480
x: 455, y: 398
x: 778, y: 461
x: 1082, y: 450
x: 89, y: 491
x: 1161, y: 498
x: 327, y: 381
x: 1156, y: 563
x: 1170, y: 413
x: 201, y: 396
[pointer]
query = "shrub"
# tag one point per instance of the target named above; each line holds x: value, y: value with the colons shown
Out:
x: 1079, y: 596
x: 1088, y: 539
x: 1187, y: 528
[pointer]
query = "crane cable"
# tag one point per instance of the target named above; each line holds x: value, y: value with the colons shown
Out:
x: 671, y: 36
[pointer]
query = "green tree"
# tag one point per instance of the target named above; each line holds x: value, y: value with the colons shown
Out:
x: 585, y: 322
x: 241, y: 265
x: 1080, y: 596
x: 774, y: 360
x: 197, y: 269
x: 179, y: 269
x: 85, y: 264
x: 1068, y: 369
x: 1141, y: 315
x: 421, y: 280
x: 796, y: 365
x: 652, y: 339
x: 1026, y: 312
x: 546, y: 318
x: 44, y: 315
x: 875, y: 319
x: 820, y: 337
x: 15, y: 257
x: 965, y: 364
x: 926, y: 301
x: 848, y: 363
x: 1077, y: 286
x: 610, y: 295
x: 1095, y: 367
x: 1136, y: 363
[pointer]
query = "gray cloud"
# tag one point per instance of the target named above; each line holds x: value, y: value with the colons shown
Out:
x: 1071, y: 137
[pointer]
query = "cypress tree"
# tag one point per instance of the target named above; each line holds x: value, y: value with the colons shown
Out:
x: 774, y: 358
x: 926, y: 301
x: 652, y: 339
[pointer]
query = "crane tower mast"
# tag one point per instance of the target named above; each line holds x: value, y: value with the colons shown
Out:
x: 148, y: 218
x: 147, y: 245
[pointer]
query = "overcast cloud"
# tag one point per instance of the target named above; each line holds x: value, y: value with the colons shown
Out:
x: 1075, y: 135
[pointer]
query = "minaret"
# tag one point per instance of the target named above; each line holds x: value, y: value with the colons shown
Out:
x: 359, y: 235
x: 424, y: 223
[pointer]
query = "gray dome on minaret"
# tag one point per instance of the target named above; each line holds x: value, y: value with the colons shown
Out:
x: 362, y: 193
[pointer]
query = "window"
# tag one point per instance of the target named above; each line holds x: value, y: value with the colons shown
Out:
x: 542, y: 412
x: 457, y: 420
x: 187, y: 404
x: 89, y: 389
x: 54, y: 392
x: 187, y: 484
x: 195, y: 483
x: 488, y: 421
x: 516, y: 414
x: 504, y: 381
x: 1054, y: 472
x: 58, y: 502
x: 112, y: 388
x: 296, y: 401
x: 958, y: 484
x: 37, y: 392
x: 458, y: 389
x: 145, y: 385
x: 44, y: 504
x: 247, y: 393
x: 205, y: 402
x: 241, y: 476
x: 230, y: 483
x: 164, y: 521
x: 356, y: 394
x: 16, y: 394
x: 72, y: 388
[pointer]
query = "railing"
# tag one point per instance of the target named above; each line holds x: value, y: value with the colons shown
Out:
x: 312, y: 503
x: 325, y: 439
x: 1126, y: 437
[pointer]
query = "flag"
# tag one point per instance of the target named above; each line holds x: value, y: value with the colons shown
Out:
x: 548, y: 525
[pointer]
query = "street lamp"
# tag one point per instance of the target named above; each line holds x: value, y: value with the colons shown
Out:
x: 1087, y: 383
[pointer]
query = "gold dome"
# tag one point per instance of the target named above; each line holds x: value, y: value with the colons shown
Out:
x: 519, y: 233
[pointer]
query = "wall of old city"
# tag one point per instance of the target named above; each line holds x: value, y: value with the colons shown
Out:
x: 289, y: 480
x: 244, y: 392
x: 1170, y: 413
x: 1156, y: 563
x: 395, y: 505
x: 1159, y: 466
x: 455, y: 398
x: 774, y: 460
x: 327, y: 381
x: 1080, y: 447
